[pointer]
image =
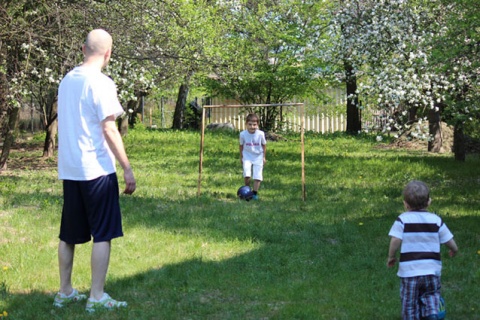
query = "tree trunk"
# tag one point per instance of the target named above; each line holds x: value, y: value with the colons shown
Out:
x: 179, y: 114
x: 270, y: 112
x: 4, y: 114
x: 459, y: 147
x: 353, y: 113
x: 132, y: 117
x: 412, y: 114
x: 122, y: 124
x: 435, y: 130
x: 51, y: 132
x: 10, y: 135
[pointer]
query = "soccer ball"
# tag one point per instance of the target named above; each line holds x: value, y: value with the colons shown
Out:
x: 442, y: 311
x: 245, y: 193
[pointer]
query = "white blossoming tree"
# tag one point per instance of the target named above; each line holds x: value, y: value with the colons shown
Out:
x: 163, y: 45
x: 389, y: 46
x: 41, y: 42
x: 456, y: 55
x: 416, y: 61
x: 35, y: 50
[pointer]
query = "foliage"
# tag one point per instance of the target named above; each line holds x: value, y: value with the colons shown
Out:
x: 457, y: 55
x: 407, y: 56
x: 269, y: 54
x: 15, y: 46
x: 40, y: 49
x: 139, y: 63
x: 35, y: 50
x: 386, y: 42
x: 409, y: 59
x: 216, y: 257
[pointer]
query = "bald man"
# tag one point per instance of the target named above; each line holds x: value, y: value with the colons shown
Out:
x: 89, y: 145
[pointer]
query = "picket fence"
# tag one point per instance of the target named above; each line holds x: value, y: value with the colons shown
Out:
x: 291, y: 116
x: 292, y: 120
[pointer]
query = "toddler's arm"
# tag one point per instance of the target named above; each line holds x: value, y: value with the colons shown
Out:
x: 392, y: 250
x: 452, y: 246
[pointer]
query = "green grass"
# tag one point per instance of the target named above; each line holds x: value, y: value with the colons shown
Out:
x: 216, y: 257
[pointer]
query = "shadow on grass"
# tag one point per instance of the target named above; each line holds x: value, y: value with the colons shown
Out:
x: 319, y: 259
x: 314, y: 263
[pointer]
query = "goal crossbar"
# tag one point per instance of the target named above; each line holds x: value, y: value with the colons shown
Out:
x: 302, y: 127
x: 254, y: 105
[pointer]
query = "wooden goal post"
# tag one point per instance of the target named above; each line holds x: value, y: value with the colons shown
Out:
x: 302, y: 129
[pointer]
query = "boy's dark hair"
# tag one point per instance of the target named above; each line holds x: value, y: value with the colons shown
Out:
x: 252, y: 117
x: 417, y: 195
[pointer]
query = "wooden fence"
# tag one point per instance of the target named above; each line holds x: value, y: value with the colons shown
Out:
x: 160, y: 115
x: 321, y: 123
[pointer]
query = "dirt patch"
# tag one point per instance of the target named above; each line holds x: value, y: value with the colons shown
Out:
x: 31, y: 163
x: 272, y: 136
x: 403, y: 142
x: 27, y: 155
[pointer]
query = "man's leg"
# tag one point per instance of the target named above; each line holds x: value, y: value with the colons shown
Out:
x: 66, y: 293
x: 65, y: 262
x: 99, y: 265
x: 247, y: 181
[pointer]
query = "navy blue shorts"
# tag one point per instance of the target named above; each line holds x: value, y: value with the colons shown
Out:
x: 91, y: 209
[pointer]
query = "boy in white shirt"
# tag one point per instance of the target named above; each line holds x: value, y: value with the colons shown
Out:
x: 253, y: 149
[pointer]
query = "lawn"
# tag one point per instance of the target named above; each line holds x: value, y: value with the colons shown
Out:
x: 214, y: 256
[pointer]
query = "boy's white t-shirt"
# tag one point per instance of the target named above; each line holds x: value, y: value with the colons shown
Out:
x: 421, y: 233
x: 85, y: 98
x: 252, y: 146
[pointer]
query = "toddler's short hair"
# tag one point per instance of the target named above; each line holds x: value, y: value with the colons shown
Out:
x: 252, y: 117
x: 417, y: 195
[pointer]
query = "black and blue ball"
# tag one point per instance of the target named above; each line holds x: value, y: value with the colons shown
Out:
x: 245, y: 193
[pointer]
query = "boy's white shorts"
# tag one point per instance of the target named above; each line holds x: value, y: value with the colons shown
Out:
x: 257, y: 170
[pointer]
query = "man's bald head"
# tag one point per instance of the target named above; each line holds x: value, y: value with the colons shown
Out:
x: 98, y: 44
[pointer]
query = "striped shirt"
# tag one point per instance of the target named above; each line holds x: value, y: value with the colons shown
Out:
x: 421, y: 233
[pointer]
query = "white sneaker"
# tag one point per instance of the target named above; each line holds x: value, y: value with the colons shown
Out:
x: 106, y: 303
x: 61, y: 299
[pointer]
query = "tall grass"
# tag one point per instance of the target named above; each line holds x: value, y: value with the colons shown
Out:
x: 216, y: 257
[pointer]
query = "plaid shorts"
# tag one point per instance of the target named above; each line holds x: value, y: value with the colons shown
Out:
x: 420, y: 296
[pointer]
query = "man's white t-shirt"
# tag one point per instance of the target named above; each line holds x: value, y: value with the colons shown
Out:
x: 85, y: 98
x: 252, y: 146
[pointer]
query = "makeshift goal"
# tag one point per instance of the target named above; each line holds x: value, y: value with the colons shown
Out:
x: 302, y: 124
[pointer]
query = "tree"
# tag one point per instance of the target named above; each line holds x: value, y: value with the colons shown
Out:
x: 167, y: 42
x: 456, y: 54
x: 269, y: 54
x: 15, y: 30
x: 389, y: 45
x: 194, y: 41
x: 346, y: 27
x: 38, y: 47
x: 139, y: 64
x: 54, y: 51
